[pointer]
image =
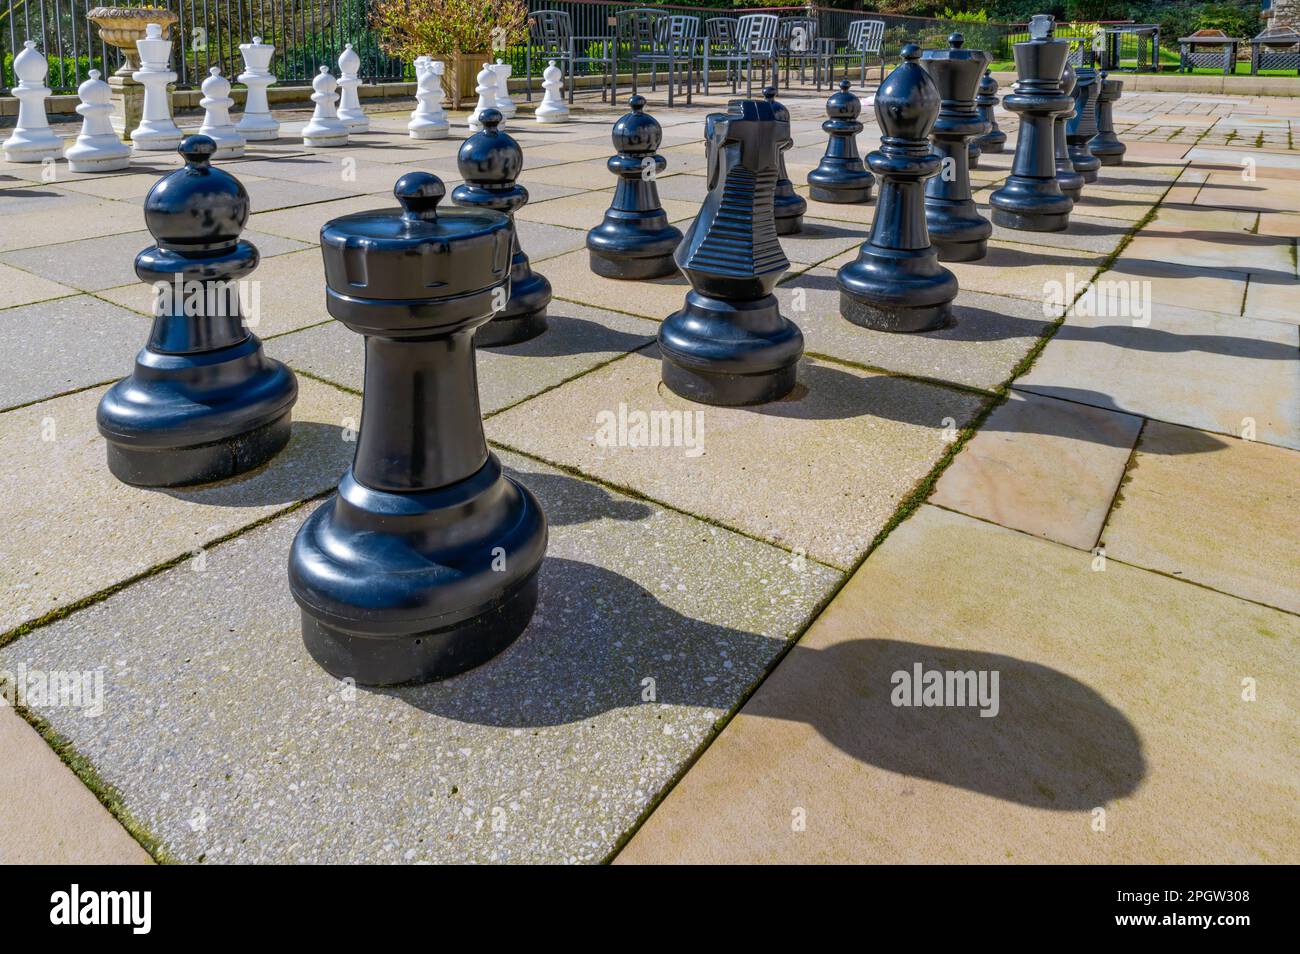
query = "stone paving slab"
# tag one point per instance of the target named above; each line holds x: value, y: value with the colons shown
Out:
x: 1267, y: 258
x: 74, y: 530
x: 105, y: 261
x: 47, y: 817
x: 571, y: 278
x: 586, y: 210
x: 87, y: 218
x: 216, y: 715
x: 1175, y: 286
x: 980, y: 350
x: 1087, y: 233
x: 1229, y: 519
x: 871, y: 437
x: 1196, y: 368
x: 577, y: 339
x: 1045, y: 467
x: 65, y: 344
x: 1226, y: 190
x: 18, y: 287
x: 1118, y: 690
x: 1272, y: 300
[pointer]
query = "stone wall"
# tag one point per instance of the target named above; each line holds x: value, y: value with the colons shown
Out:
x: 1284, y: 13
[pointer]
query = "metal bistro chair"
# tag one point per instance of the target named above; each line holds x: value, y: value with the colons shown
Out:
x: 550, y: 33
x: 755, y: 45
x: 720, y: 40
x: 796, y: 41
x: 865, y: 41
x: 634, y: 41
x: 676, y: 42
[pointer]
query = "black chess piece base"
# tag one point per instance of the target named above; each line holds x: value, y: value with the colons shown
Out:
x: 524, y: 316
x: 151, y: 420
x: 1084, y: 162
x: 1106, y: 158
x: 789, y: 214
x: 705, y: 345
x: 636, y: 252
x: 897, y: 290
x: 456, y: 584
x: 1031, y: 205
x: 842, y: 195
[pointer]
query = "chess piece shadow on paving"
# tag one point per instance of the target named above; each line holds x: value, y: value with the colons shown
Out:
x: 1055, y: 743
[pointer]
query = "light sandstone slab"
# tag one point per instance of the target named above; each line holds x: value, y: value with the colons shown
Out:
x: 1200, y: 369
x: 1119, y: 700
x: 1044, y: 467
x: 871, y: 437
x: 548, y: 753
x: 47, y: 817
x: 586, y: 210
x: 1165, y: 283
x: 19, y: 287
x: 571, y: 278
x: 1226, y: 516
x: 76, y: 530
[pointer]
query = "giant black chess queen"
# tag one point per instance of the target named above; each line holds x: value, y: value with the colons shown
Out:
x: 729, y: 344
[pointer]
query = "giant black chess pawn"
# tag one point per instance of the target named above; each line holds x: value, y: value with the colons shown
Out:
x: 1030, y: 199
x: 957, y: 230
x: 729, y: 344
x: 204, y: 402
x: 1106, y: 146
x: 490, y: 162
x: 790, y: 205
x: 840, y: 176
x: 986, y: 97
x: 1071, y: 182
x: 896, y: 283
x: 425, y: 562
x: 1082, y: 125
x: 635, y: 240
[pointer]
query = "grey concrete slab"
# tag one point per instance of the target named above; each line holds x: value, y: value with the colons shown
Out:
x: 987, y: 340
x: 578, y: 338
x: 230, y: 745
x: 64, y: 344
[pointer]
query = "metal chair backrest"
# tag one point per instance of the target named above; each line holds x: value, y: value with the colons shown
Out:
x: 550, y: 30
x: 756, y: 34
x: 676, y: 34
x: 721, y: 32
x: 796, y: 34
x: 637, y: 29
x: 866, y: 36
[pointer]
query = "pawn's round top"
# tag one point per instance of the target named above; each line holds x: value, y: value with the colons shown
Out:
x: 1068, y: 79
x: 490, y: 159
x: 324, y: 80
x: 637, y: 132
x: 956, y: 41
x: 416, y: 252
x: 843, y: 105
x: 94, y: 90
x: 216, y: 85
x: 349, y: 61
x: 30, y: 66
x: 988, y: 85
x: 907, y: 102
x: 198, y: 207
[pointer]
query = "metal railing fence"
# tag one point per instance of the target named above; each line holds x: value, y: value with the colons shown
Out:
x: 308, y: 33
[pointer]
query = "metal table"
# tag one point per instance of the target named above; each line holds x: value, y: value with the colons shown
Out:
x: 1190, y: 57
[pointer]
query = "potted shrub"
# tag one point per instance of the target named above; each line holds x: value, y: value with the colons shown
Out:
x: 461, y: 33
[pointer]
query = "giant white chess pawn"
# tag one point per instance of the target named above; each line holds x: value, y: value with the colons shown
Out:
x: 97, y: 149
x: 32, y: 139
x: 324, y: 129
x: 350, y: 112
x: 505, y: 106
x: 553, y: 108
x: 487, y: 96
x: 216, y: 103
x: 257, y: 124
x: 156, y: 131
x: 429, y: 119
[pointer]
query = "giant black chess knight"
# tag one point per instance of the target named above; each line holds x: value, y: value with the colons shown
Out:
x: 425, y: 562
x: 730, y: 344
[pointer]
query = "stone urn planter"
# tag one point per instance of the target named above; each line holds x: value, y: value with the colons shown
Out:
x: 121, y: 27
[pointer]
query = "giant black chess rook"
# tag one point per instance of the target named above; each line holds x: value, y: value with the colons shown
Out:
x: 204, y: 402
x: 790, y: 205
x: 425, y: 562
x: 957, y: 230
x: 729, y: 344
x: 896, y: 283
x: 1106, y: 146
x: 490, y: 161
x: 841, y: 177
x: 1031, y: 199
x: 994, y: 139
x: 635, y: 241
